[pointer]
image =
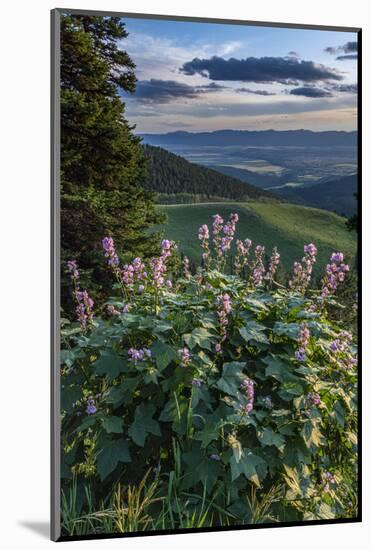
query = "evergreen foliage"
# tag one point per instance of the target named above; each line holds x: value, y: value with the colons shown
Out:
x: 177, y: 180
x: 101, y: 160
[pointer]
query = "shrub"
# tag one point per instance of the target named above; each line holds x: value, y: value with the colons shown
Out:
x: 232, y: 390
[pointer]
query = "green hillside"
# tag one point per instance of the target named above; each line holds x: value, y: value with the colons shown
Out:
x: 286, y: 226
x: 176, y: 180
x: 333, y: 194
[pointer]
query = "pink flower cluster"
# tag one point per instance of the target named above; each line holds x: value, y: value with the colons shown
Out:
x: 340, y: 353
x: 110, y: 252
x: 185, y: 356
x: 84, y: 308
x: 302, y: 272
x: 134, y: 273
x: 158, y: 265
x: 139, y: 354
x: 111, y: 310
x: 328, y: 479
x: 203, y: 235
x: 273, y: 265
x: 314, y: 398
x: 229, y: 230
x: 217, y: 229
x: 73, y: 270
x: 248, y: 387
x: 303, y: 340
x: 224, y: 309
x: 242, y: 257
x: 258, y: 268
x: 335, y: 274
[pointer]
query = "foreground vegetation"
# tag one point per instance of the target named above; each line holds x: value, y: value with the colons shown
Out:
x: 208, y: 399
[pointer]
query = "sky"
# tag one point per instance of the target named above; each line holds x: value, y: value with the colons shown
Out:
x: 204, y: 76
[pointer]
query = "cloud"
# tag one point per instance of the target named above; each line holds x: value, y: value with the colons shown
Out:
x: 346, y: 57
x: 165, y: 91
x: 282, y: 70
x: 257, y: 92
x: 347, y: 88
x: 293, y: 54
x: 347, y: 48
x: 310, y: 91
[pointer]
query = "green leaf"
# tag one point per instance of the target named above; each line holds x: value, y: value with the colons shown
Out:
x: 199, y: 337
x: 279, y: 369
x: 110, y: 364
x: 268, y: 437
x: 208, y: 434
x: 124, y: 392
x: 143, y: 424
x: 312, y: 435
x: 112, y: 452
x: 112, y: 424
x: 69, y: 396
x: 200, y: 468
x: 163, y: 354
x: 253, y: 331
x: 291, y: 330
x: 231, y: 378
x: 246, y: 466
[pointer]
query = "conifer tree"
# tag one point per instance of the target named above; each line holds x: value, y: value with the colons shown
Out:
x: 102, y: 160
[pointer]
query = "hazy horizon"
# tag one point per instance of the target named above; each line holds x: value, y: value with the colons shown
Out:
x: 246, y: 130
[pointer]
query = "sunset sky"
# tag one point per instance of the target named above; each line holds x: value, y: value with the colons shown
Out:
x: 203, y: 77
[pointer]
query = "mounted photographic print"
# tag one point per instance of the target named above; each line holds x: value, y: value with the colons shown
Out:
x: 205, y: 217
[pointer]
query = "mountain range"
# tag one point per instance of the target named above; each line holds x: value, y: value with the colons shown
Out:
x: 265, y: 138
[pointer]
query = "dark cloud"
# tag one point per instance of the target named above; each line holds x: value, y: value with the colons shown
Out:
x: 283, y: 70
x: 293, y: 54
x: 257, y: 92
x: 349, y: 47
x: 164, y: 91
x: 309, y: 91
x: 346, y: 57
x: 347, y: 88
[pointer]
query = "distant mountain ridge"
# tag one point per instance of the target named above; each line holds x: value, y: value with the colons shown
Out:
x: 294, y: 138
x: 176, y: 179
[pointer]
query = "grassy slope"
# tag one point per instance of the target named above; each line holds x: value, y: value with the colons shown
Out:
x: 286, y: 226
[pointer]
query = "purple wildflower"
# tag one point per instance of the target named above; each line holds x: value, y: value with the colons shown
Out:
x: 203, y: 235
x: 273, y: 265
x: 302, y: 272
x: 91, y: 407
x: 243, y: 250
x: 258, y: 268
x: 215, y: 457
x: 73, y: 269
x: 110, y: 252
x: 314, y: 398
x: 111, y: 310
x: 139, y: 354
x: 248, y: 387
x: 335, y: 274
x: 196, y: 382
x: 300, y: 354
x: 225, y: 307
x: 185, y: 356
x: 84, y: 308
